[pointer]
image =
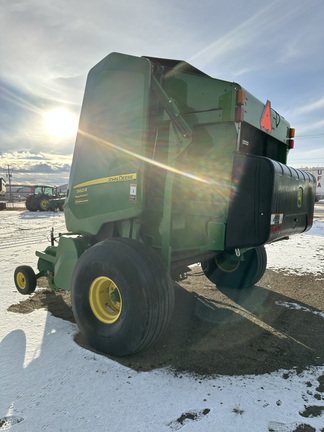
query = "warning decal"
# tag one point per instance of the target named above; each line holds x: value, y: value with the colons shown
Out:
x: 265, y: 121
x: 276, y: 219
x: 132, y: 192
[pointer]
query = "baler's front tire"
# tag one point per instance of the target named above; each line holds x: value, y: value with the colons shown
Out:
x: 25, y: 280
x: 122, y: 296
x: 228, y: 273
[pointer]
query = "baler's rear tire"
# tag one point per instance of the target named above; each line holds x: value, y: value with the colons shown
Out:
x: 122, y: 296
x: 236, y: 274
x: 25, y: 280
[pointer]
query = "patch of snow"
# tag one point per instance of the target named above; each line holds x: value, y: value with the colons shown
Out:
x: 296, y: 306
x: 300, y: 254
x: 317, y: 228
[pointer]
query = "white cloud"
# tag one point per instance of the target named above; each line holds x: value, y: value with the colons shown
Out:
x: 47, y: 49
x: 28, y: 167
x: 313, y: 105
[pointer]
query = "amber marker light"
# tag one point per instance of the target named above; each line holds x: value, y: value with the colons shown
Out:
x: 291, y: 142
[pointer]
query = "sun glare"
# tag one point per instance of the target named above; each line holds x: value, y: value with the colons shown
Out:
x: 61, y: 123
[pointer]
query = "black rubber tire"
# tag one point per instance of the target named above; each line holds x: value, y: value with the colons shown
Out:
x: 31, y: 203
x: 247, y: 274
x: 145, y: 288
x: 25, y: 279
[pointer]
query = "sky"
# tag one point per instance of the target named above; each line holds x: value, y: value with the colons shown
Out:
x: 272, y: 48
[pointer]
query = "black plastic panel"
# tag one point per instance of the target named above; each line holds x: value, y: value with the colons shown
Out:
x: 269, y: 201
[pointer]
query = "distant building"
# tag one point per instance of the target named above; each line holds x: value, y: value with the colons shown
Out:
x: 318, y: 174
x: 19, y: 192
x: 2, y: 186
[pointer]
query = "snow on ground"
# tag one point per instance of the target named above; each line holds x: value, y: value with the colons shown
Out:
x: 48, y: 382
x: 305, y: 252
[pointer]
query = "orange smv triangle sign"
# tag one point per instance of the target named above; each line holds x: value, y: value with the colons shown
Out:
x: 265, y: 122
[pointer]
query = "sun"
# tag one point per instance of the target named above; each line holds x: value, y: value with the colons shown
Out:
x: 60, y: 123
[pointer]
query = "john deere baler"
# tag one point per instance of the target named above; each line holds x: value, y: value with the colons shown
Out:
x: 171, y: 167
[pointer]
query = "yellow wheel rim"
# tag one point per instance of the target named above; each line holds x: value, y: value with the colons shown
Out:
x: 227, y: 263
x: 21, y: 280
x: 105, y: 300
x: 43, y: 204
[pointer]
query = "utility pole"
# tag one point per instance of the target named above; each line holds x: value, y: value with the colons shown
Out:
x: 9, y: 175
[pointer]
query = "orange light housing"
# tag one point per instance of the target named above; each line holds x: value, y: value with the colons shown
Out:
x: 239, y: 114
x: 291, y: 141
x: 240, y: 97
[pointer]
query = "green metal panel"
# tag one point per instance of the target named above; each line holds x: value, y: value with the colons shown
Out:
x: 215, y: 235
x: 253, y: 111
x: 227, y: 102
x: 106, y: 180
x: 68, y: 252
x: 196, y: 192
x: 58, y: 262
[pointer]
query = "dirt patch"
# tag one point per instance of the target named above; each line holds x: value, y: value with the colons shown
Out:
x: 312, y: 411
x: 276, y: 325
x: 57, y: 303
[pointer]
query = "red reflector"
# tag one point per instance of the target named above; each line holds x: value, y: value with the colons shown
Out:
x: 265, y: 121
x: 275, y: 228
x: 239, y: 114
x: 291, y: 144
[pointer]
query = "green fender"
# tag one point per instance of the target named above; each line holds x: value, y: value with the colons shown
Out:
x: 58, y: 262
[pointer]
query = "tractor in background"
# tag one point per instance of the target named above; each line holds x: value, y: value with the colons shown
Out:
x: 45, y: 198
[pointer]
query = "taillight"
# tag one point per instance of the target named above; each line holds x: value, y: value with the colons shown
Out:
x: 239, y: 114
x: 240, y: 102
x: 291, y: 141
x: 240, y: 97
